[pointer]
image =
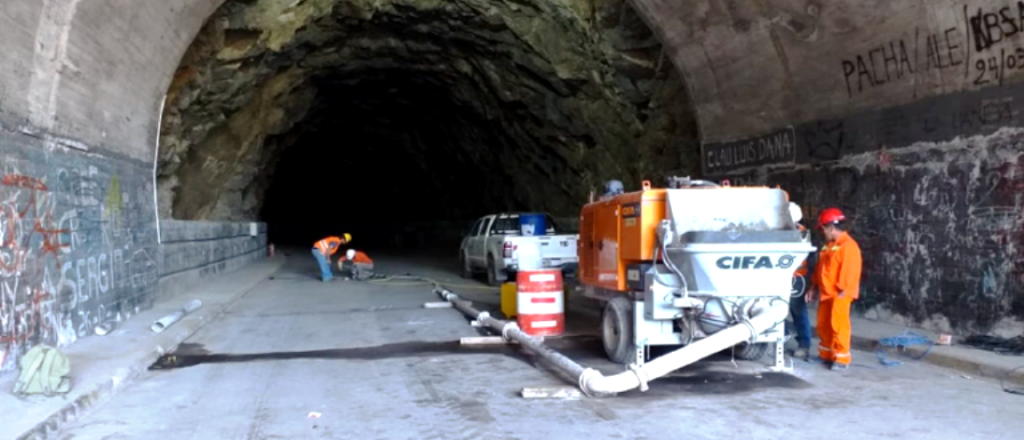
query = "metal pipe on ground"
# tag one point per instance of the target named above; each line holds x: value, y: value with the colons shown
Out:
x: 592, y: 382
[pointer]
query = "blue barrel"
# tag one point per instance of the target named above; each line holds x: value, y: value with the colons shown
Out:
x: 532, y: 224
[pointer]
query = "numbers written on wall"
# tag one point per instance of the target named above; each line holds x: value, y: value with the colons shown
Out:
x: 995, y: 68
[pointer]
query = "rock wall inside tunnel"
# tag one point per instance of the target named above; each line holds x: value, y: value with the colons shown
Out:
x: 904, y: 114
x: 444, y: 111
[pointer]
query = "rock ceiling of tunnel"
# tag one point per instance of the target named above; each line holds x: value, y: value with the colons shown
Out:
x: 580, y: 92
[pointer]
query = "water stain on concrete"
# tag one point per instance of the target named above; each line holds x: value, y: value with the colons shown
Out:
x: 191, y: 354
x: 196, y: 355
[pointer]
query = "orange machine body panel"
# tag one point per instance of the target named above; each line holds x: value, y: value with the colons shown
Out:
x: 618, y: 232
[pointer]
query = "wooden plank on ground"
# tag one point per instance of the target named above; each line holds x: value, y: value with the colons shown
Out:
x: 484, y: 340
x: 559, y: 392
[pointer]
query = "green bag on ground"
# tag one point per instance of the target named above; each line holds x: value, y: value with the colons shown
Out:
x: 44, y: 370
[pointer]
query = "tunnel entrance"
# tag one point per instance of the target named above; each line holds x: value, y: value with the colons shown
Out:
x: 324, y: 116
x: 378, y: 156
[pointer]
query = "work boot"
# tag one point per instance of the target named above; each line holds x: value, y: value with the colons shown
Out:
x: 836, y: 366
x: 801, y: 353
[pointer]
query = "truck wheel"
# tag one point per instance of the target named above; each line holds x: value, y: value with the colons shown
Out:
x: 617, y: 331
x: 751, y: 352
x: 492, y: 273
x: 467, y: 270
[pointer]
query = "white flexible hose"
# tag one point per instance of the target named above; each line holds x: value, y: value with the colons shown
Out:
x: 762, y: 318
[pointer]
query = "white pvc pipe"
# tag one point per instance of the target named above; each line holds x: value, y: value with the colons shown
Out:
x: 593, y: 382
x: 162, y: 324
x: 156, y: 159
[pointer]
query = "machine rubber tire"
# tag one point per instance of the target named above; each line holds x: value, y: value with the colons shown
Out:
x: 751, y: 352
x: 492, y: 273
x: 617, y: 331
x: 466, y: 271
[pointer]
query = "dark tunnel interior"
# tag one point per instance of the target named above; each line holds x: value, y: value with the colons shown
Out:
x: 376, y: 157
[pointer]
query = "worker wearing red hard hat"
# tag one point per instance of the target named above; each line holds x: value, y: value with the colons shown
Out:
x: 836, y: 280
x: 324, y: 249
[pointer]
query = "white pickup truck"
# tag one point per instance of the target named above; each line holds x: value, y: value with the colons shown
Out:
x: 492, y: 242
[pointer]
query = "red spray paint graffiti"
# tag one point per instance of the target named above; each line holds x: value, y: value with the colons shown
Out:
x: 26, y: 199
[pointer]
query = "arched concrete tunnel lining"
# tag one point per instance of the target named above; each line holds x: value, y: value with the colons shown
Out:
x: 928, y: 162
x: 407, y: 112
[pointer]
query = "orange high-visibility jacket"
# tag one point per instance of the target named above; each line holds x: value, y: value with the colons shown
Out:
x: 839, y: 267
x: 329, y: 246
x: 360, y: 257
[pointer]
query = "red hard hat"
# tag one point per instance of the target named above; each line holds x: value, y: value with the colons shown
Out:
x: 829, y: 216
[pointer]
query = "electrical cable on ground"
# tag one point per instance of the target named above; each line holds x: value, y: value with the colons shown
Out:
x: 393, y: 280
x: 413, y: 280
x: 900, y: 344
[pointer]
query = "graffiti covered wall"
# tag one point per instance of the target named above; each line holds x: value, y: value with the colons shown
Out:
x: 933, y: 185
x: 935, y: 193
x: 78, y: 243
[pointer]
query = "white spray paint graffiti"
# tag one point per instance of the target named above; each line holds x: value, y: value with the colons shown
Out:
x: 64, y: 236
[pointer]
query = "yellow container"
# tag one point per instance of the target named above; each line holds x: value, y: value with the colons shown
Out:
x: 508, y: 300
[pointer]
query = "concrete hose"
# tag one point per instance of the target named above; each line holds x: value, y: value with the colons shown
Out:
x: 762, y: 317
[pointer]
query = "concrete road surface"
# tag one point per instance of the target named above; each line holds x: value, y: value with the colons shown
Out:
x: 376, y: 365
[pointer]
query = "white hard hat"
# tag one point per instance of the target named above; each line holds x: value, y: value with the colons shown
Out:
x: 795, y: 212
x: 350, y: 254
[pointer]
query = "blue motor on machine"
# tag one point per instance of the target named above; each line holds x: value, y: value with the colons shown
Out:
x: 532, y: 224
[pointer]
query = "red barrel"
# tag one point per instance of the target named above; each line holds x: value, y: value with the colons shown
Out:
x: 540, y: 302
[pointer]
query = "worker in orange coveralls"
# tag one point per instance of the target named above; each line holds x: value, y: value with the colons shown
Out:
x: 324, y: 249
x: 837, y: 280
x: 356, y: 265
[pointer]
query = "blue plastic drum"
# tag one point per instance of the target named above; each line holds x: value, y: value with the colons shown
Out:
x: 532, y: 224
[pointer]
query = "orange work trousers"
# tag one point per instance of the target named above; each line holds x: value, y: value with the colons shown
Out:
x: 834, y: 330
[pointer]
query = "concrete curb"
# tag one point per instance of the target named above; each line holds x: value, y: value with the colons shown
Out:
x: 966, y: 360
x: 123, y: 376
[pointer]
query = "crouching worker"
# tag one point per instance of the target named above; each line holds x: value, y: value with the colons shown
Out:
x: 324, y: 249
x: 356, y: 265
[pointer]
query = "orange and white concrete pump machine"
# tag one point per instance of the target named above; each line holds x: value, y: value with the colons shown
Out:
x: 676, y: 265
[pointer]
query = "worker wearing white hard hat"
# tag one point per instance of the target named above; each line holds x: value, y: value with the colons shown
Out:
x: 801, y: 325
x: 356, y: 265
